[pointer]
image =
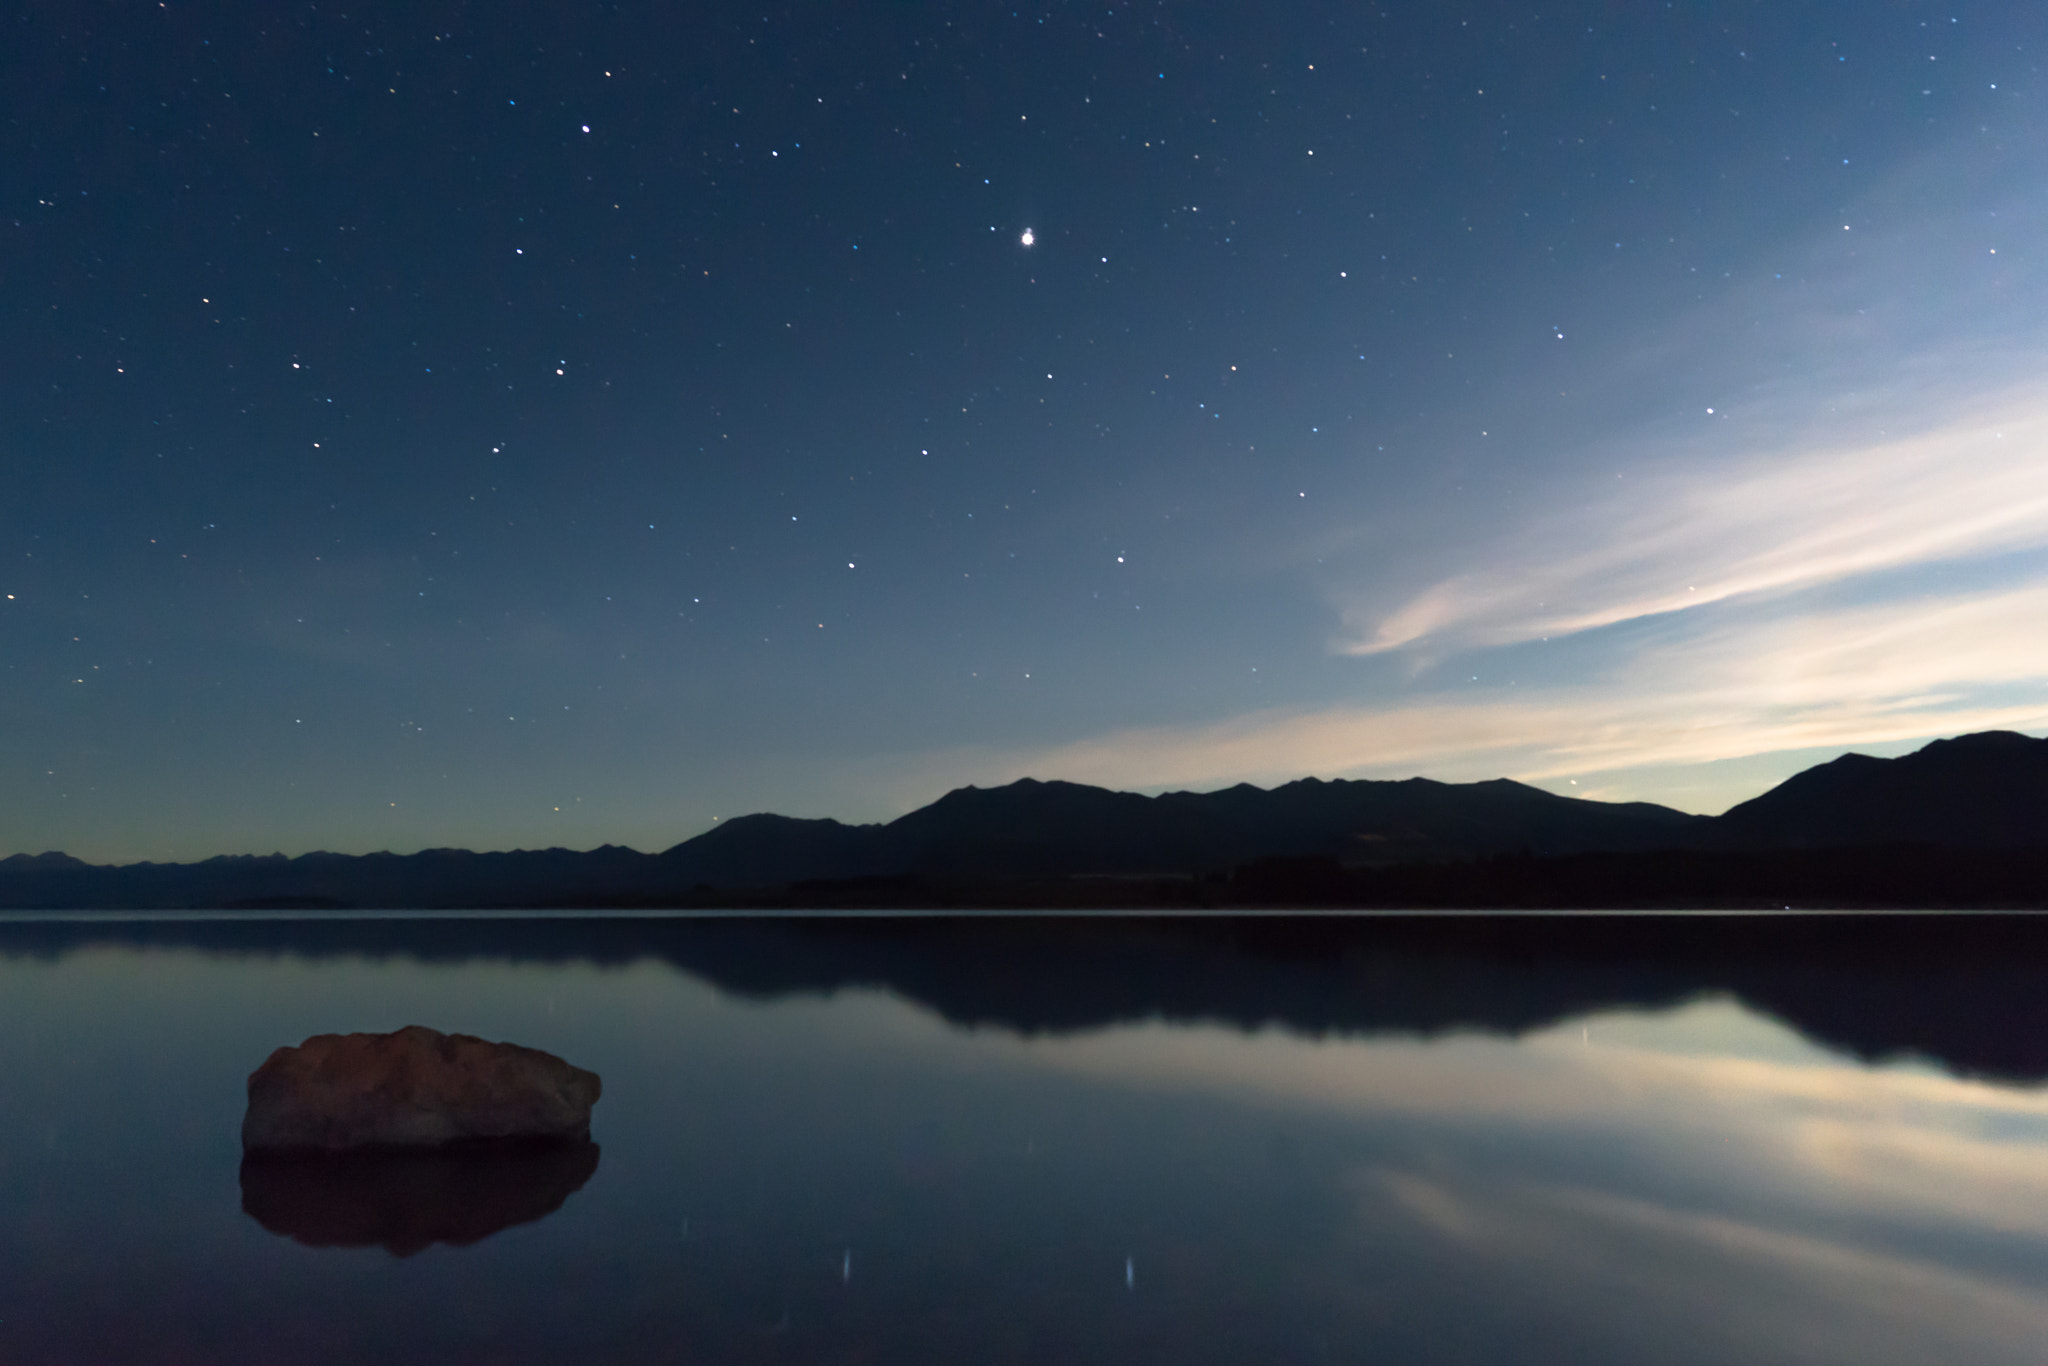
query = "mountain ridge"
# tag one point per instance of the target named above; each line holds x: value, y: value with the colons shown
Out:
x: 1984, y: 791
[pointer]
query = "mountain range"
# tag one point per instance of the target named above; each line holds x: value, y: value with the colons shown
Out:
x: 1033, y: 842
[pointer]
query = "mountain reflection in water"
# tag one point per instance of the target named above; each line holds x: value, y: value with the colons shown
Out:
x: 1575, y: 1141
x: 1966, y: 990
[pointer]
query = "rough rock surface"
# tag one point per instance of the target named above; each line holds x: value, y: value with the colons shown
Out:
x: 416, y: 1088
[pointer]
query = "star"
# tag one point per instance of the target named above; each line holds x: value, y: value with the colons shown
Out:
x: 1028, y: 238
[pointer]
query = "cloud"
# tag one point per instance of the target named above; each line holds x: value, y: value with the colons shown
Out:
x: 1866, y: 403
x: 1679, y: 539
x: 1736, y: 683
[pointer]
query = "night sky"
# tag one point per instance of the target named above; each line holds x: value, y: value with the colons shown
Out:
x: 521, y: 425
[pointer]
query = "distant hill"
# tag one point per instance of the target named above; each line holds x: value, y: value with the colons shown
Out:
x: 39, y: 863
x: 1035, y: 829
x: 1987, y: 791
x: 1983, y: 791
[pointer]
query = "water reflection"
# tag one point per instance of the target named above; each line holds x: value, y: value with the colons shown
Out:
x: 1020, y: 1144
x: 1966, y: 990
x: 406, y: 1202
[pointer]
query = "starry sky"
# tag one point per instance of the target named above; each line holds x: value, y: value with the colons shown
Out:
x: 519, y: 425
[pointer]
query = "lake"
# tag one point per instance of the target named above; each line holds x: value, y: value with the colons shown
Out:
x: 1295, y: 1139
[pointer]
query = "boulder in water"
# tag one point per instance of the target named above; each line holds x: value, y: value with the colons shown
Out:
x: 416, y: 1088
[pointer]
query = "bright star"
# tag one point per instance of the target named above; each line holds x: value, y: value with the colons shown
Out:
x: 1028, y: 238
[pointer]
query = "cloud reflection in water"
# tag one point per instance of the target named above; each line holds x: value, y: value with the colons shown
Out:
x: 1638, y: 1182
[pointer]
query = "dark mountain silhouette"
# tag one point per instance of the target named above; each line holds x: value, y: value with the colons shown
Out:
x: 762, y: 850
x: 46, y: 862
x: 1310, y: 842
x: 1037, y: 829
x: 1984, y: 791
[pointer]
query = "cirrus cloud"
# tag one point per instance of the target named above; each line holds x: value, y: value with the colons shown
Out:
x: 1683, y: 538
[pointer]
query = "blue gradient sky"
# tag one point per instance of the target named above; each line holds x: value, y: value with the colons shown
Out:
x: 430, y: 426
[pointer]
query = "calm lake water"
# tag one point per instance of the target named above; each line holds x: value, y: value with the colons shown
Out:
x: 997, y: 1142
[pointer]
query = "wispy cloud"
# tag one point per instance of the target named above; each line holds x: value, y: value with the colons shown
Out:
x: 1735, y: 687
x: 1869, y: 403
x: 1680, y: 538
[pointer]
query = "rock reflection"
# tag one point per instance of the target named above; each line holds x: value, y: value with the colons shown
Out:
x: 405, y: 1202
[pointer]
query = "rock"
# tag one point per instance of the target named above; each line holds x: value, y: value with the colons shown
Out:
x: 404, y: 1200
x: 417, y: 1088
